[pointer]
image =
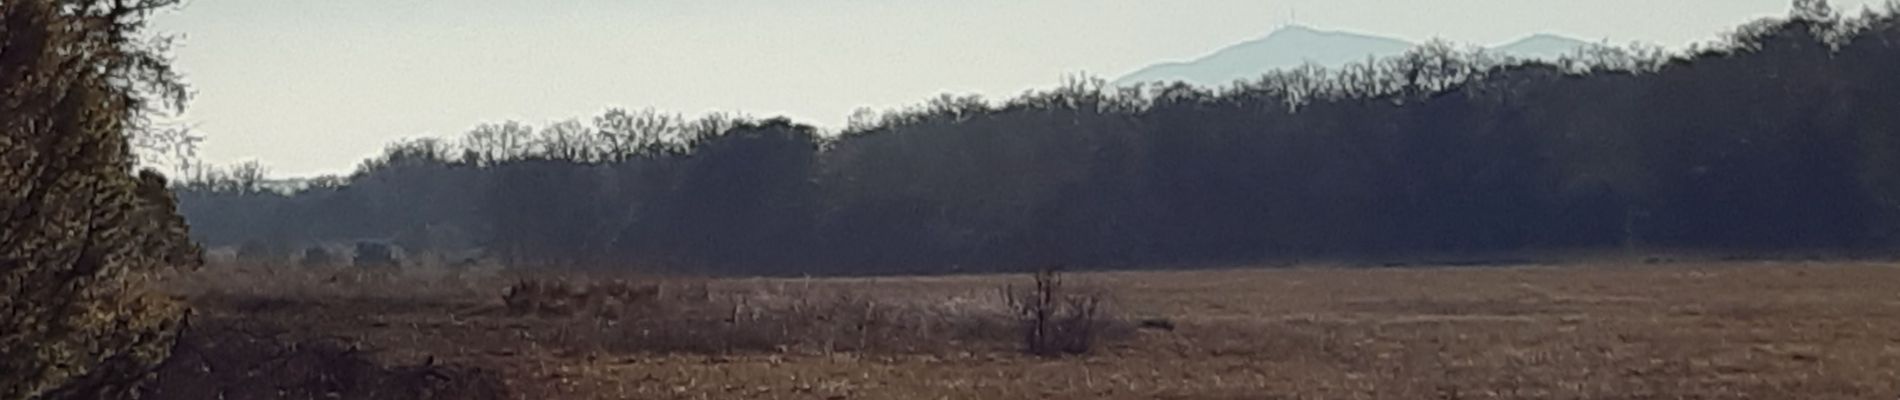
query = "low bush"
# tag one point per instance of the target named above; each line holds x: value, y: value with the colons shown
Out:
x: 1056, y: 319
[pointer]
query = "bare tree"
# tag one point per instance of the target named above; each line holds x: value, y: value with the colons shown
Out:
x: 249, y: 176
x: 495, y: 142
x: 625, y: 134
x: 173, y: 148
x: 568, y: 140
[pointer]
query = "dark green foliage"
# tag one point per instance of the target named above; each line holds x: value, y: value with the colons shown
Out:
x: 1781, y: 140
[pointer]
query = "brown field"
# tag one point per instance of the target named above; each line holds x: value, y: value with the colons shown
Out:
x: 1753, y: 330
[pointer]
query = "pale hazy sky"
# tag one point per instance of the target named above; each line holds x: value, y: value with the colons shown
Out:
x: 312, y: 87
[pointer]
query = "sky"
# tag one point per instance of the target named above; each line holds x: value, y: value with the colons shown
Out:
x: 313, y: 87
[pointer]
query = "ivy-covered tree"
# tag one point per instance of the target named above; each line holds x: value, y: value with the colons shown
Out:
x: 78, y: 227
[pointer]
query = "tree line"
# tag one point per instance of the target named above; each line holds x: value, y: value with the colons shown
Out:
x: 1783, y: 137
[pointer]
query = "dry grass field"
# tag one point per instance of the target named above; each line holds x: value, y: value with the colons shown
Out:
x: 1742, y: 330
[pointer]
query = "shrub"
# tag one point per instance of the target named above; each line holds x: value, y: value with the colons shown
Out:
x: 1056, y: 319
x: 376, y: 255
x: 317, y: 257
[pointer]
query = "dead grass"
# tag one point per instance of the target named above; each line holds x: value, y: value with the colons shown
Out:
x: 1729, y: 330
x: 337, y: 283
x: 607, y: 315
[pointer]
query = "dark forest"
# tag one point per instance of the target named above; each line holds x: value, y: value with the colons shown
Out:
x: 1782, y: 139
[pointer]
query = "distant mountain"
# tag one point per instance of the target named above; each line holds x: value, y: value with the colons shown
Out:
x: 1286, y: 48
x: 1294, y: 46
x: 1542, y: 47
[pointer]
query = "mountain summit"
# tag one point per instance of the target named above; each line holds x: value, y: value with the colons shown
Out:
x: 1541, y: 46
x: 1296, y: 45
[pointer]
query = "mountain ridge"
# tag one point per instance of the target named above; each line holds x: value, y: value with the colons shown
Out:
x: 1297, y: 45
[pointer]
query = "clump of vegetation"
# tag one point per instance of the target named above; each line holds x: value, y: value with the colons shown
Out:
x: 376, y: 255
x: 79, y: 230
x: 317, y: 257
x: 1057, y: 319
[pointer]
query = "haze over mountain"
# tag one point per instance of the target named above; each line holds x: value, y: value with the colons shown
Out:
x: 1297, y: 45
x: 1542, y: 46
